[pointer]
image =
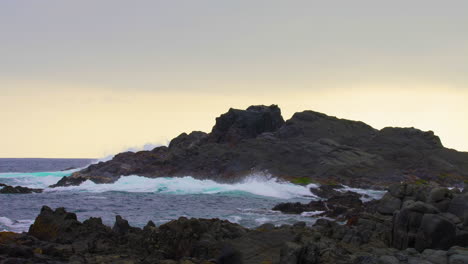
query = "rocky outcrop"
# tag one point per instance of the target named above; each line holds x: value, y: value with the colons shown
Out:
x: 310, y: 146
x: 17, y: 189
x: 340, y: 206
x: 237, y: 125
x: 426, y: 216
x: 413, y: 216
x: 58, y: 237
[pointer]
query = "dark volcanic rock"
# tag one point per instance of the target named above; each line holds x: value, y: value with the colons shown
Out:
x: 425, y: 219
x: 310, y: 146
x: 236, y: 125
x: 57, y: 237
x: 326, y: 191
x: 339, y: 206
x: 17, y: 189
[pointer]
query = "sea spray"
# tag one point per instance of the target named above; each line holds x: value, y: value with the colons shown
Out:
x: 255, y: 184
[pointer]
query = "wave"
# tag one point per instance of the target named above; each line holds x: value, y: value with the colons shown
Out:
x: 6, y: 224
x: 367, y: 194
x: 255, y: 184
x: 34, y: 179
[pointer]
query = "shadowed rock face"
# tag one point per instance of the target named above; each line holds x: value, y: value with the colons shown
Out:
x: 310, y: 145
x: 418, y: 232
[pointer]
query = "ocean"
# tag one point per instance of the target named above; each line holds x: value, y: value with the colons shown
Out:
x: 139, y: 199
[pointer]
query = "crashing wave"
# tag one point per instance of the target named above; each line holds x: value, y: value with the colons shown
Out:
x: 255, y: 184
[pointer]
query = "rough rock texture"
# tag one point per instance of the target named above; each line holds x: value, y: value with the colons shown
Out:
x: 367, y: 237
x: 17, y: 189
x: 341, y: 206
x: 425, y: 216
x: 310, y: 147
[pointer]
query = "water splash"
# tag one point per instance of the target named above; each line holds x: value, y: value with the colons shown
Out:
x: 255, y: 184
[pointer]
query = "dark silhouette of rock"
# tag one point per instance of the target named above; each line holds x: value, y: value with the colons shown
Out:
x: 121, y: 225
x: 17, y: 189
x: 367, y: 237
x: 310, y: 146
x: 435, y: 232
x: 236, y: 125
x: 339, y: 206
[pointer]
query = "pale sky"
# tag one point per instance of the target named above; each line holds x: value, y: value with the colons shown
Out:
x: 92, y: 78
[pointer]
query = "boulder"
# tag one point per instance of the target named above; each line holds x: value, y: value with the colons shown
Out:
x: 54, y: 226
x: 435, y: 232
x: 389, y: 204
x: 459, y: 205
x: 406, y: 224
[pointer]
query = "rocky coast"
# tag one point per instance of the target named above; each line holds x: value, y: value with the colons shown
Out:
x: 309, y: 147
x: 421, y: 219
x: 411, y: 224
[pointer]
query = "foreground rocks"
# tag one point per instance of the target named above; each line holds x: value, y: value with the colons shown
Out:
x: 309, y: 147
x: 417, y: 232
x: 338, y: 205
x: 17, y: 189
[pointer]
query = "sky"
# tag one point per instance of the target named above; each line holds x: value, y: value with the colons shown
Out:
x: 86, y: 79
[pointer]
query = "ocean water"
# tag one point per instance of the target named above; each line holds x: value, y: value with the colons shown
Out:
x: 38, y: 165
x: 139, y: 199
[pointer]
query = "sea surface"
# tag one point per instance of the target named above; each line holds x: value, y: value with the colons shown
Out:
x: 139, y: 199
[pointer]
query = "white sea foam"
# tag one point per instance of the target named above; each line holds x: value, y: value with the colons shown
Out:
x: 312, y: 213
x: 6, y: 224
x: 372, y: 194
x: 34, y: 179
x: 255, y: 184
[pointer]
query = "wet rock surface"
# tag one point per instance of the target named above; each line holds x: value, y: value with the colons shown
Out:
x: 17, y: 189
x: 417, y: 232
x: 311, y: 147
x: 338, y: 205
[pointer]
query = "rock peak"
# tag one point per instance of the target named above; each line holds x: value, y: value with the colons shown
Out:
x: 236, y: 124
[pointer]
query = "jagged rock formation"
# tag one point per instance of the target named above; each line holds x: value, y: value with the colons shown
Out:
x: 368, y: 237
x: 310, y: 146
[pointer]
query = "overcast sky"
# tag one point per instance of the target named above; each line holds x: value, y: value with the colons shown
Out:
x: 91, y: 78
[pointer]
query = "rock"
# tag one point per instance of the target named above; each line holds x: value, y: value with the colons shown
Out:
x: 417, y: 260
x: 297, y: 208
x: 451, y: 217
x: 435, y: 232
x: 389, y: 204
x: 196, y: 237
x: 121, y: 225
x: 236, y: 125
x: 388, y: 260
x: 341, y: 206
x: 310, y: 145
x: 435, y: 256
x: 266, y: 227
x: 290, y: 253
x: 184, y: 141
x: 326, y: 191
x: 17, y: 189
x: 458, y: 255
x: 229, y: 256
x: 406, y: 224
x: 54, y: 226
x: 459, y: 205
x: 439, y: 194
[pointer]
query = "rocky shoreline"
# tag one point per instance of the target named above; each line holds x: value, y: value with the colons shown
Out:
x: 310, y: 147
x: 7, y: 189
x: 411, y: 224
